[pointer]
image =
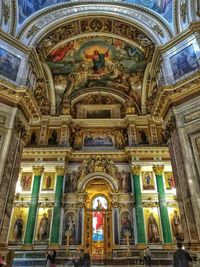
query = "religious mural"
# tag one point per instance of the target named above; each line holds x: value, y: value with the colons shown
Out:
x: 29, y: 7
x: 87, y: 63
x: 184, y: 62
x: 18, y: 224
x: 153, y: 230
x: 169, y: 180
x: 48, y: 181
x: 43, y: 225
x: 104, y: 139
x: 148, y: 181
x: 9, y: 65
x: 26, y: 181
x: 69, y: 228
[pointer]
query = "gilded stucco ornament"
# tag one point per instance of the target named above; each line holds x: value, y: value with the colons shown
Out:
x: 184, y: 10
x: 20, y: 128
x: 41, y: 98
x: 90, y: 25
x: 169, y: 128
x: 6, y: 11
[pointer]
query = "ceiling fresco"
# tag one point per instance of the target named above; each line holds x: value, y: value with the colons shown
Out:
x: 104, y: 62
x: 29, y: 7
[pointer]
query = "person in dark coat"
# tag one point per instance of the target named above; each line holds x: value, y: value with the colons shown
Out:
x: 86, y: 258
x: 181, y: 257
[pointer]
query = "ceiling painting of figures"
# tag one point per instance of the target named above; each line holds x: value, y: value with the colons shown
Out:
x: 29, y: 7
x: 97, y: 63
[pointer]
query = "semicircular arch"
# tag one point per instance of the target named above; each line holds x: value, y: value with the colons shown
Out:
x: 44, y: 21
x: 85, y: 181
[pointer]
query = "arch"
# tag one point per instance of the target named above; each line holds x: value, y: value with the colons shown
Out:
x: 83, y: 182
x: 149, y: 21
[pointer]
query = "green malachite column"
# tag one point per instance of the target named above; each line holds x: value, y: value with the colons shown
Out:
x: 167, y: 236
x: 138, y: 205
x: 60, y: 170
x: 38, y: 170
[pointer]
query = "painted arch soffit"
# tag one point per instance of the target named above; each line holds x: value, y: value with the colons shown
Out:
x: 32, y: 30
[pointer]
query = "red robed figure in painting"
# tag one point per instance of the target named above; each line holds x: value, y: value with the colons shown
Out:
x: 99, y: 215
x: 59, y: 53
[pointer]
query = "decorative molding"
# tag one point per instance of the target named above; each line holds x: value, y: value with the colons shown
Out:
x: 148, y: 18
x: 6, y: 11
x: 38, y: 170
x: 184, y: 10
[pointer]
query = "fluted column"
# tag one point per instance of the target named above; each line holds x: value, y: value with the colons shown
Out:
x: 38, y: 170
x: 60, y: 170
x: 167, y: 236
x: 138, y: 205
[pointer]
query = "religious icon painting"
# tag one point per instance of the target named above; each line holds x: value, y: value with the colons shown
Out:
x: 43, y: 225
x: 48, y: 181
x: 99, y: 206
x: 26, y: 181
x: 176, y: 225
x: 126, y: 224
x: 148, y: 182
x: 152, y: 223
x: 18, y: 224
x: 169, y: 180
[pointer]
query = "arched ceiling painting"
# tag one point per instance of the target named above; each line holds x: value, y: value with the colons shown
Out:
x: 29, y: 7
x: 97, y: 63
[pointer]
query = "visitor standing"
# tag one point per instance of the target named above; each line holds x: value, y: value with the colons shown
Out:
x: 86, y: 258
x: 147, y: 257
x: 181, y: 257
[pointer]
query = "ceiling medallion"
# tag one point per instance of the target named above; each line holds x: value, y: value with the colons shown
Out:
x: 96, y: 25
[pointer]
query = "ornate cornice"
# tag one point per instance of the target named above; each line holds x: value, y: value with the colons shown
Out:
x: 148, y: 152
x: 135, y: 169
x: 158, y: 169
x: 60, y: 170
x: 20, y: 97
x: 38, y: 170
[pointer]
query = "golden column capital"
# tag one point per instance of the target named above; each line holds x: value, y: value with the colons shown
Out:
x: 60, y: 170
x: 135, y: 169
x: 38, y: 170
x: 158, y: 169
